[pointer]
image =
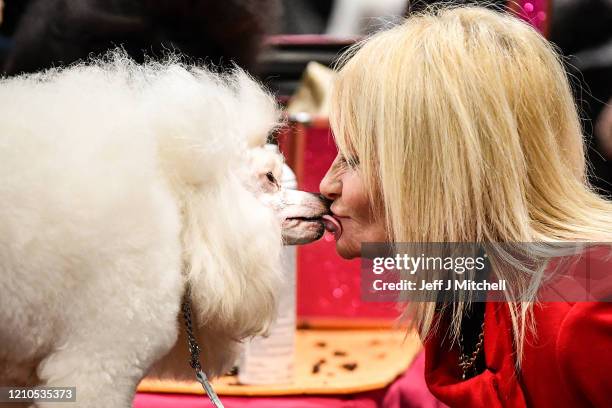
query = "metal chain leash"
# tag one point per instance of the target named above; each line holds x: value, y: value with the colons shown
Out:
x: 194, y: 351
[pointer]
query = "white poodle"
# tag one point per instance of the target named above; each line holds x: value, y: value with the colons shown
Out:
x: 119, y: 185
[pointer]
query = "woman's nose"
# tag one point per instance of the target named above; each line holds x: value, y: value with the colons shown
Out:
x: 330, y: 187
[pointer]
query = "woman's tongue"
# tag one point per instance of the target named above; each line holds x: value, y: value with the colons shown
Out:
x: 332, y: 227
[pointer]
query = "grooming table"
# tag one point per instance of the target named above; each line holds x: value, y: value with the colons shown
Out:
x: 334, y: 368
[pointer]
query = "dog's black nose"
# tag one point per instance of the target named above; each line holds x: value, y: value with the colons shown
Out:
x: 326, y: 200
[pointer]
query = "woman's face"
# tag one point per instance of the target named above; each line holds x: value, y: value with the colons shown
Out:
x: 353, y: 219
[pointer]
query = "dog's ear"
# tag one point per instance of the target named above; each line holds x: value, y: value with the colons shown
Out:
x: 231, y: 243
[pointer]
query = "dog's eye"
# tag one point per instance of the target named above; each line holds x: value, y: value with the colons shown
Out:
x: 270, y: 177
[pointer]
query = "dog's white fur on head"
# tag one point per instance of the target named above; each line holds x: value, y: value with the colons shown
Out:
x: 119, y: 183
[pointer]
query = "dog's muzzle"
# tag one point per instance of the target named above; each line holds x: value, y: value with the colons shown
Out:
x: 302, y: 222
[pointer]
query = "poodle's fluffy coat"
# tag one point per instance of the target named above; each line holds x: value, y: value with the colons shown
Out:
x: 119, y: 184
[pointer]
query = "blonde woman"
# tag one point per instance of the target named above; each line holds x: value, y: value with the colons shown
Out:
x: 459, y: 126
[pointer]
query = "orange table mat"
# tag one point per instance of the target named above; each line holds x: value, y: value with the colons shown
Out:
x: 327, y: 362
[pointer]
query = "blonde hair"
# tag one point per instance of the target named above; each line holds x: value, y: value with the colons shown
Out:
x: 465, y: 129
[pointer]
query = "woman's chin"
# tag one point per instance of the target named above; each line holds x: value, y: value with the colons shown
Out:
x: 347, y: 250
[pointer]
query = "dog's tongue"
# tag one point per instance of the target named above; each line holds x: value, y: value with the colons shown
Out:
x: 332, y: 226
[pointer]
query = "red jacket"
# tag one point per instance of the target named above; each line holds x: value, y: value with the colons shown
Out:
x: 567, y: 364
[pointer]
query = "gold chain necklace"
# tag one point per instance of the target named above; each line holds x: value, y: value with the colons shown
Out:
x: 466, y: 362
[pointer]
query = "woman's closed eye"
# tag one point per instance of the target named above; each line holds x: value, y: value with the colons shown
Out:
x: 350, y: 162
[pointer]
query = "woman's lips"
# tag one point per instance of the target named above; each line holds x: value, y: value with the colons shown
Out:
x: 333, y: 226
